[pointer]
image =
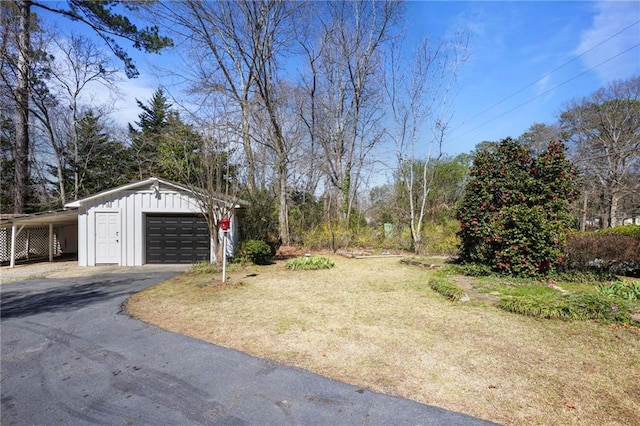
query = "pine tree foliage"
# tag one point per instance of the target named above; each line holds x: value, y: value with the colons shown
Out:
x: 102, y: 161
x: 106, y: 21
x: 163, y: 145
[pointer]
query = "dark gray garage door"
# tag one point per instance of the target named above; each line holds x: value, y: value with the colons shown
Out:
x: 175, y: 238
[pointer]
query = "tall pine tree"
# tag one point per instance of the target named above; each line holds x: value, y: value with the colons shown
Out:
x: 147, y: 138
x: 163, y: 145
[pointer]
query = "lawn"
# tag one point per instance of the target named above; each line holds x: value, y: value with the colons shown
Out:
x: 375, y: 323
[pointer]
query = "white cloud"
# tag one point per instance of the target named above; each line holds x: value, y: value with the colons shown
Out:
x: 610, y: 18
x: 121, y: 102
x: 543, y: 84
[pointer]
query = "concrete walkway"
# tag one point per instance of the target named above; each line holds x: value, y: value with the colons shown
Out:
x: 69, y: 356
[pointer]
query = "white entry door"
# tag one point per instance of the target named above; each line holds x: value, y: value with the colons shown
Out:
x: 108, y: 237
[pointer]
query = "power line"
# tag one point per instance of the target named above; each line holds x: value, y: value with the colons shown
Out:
x: 549, y: 90
x: 547, y: 75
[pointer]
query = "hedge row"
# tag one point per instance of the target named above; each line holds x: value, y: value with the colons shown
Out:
x: 615, y: 250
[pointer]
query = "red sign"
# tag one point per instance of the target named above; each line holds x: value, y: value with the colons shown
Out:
x: 225, y: 223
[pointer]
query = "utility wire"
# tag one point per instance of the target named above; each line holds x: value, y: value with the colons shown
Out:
x: 548, y: 74
x: 549, y: 90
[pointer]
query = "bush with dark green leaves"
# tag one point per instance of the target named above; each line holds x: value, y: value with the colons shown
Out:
x: 515, y: 213
x: 256, y: 251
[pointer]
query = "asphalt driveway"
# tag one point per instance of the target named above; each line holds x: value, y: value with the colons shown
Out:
x: 70, y: 356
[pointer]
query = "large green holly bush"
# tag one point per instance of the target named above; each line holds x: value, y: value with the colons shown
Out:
x: 515, y: 213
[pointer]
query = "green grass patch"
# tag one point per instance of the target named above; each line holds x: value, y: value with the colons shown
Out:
x: 470, y: 269
x: 204, y: 268
x: 310, y: 262
x: 446, y: 288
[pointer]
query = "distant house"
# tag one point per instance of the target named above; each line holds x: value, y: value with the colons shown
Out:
x: 149, y: 221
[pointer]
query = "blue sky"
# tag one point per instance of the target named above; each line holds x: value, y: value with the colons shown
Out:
x: 524, y: 64
x: 524, y: 59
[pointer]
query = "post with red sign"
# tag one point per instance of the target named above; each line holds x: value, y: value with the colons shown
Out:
x: 225, y: 223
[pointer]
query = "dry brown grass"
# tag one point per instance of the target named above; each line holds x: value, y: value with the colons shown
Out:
x: 375, y: 323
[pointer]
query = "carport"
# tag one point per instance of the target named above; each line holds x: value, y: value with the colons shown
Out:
x: 38, y: 236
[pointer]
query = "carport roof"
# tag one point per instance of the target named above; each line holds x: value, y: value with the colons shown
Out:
x: 55, y: 217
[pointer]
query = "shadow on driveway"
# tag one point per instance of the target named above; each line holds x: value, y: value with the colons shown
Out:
x: 60, y: 298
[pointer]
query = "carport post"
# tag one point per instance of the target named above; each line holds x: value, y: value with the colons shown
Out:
x: 12, y: 262
x: 14, y: 236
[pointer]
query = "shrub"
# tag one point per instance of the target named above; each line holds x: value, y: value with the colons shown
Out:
x: 335, y: 236
x: 439, y: 238
x: 515, y: 212
x: 577, y: 276
x: 624, y: 230
x: 446, y: 288
x: 603, y: 252
x: 575, y: 306
x: 311, y: 262
x: 256, y: 251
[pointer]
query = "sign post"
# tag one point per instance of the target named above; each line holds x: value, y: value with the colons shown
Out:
x: 224, y: 225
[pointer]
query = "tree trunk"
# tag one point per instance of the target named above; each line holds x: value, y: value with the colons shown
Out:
x: 283, y: 215
x: 346, y: 192
x: 21, y: 178
x: 613, y: 209
x: 248, y: 149
x: 583, y: 222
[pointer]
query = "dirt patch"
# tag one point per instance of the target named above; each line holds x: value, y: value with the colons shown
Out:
x: 35, y: 270
x: 466, y: 283
x: 61, y: 269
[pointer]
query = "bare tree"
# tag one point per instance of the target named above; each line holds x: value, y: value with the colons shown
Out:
x: 58, y: 90
x: 236, y: 47
x: 308, y: 98
x: 420, y: 105
x: 209, y: 171
x: 347, y: 86
x: 224, y: 58
x: 538, y: 136
x: 79, y: 63
x: 604, y: 130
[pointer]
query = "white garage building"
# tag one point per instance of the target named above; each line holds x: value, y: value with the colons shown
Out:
x: 149, y: 221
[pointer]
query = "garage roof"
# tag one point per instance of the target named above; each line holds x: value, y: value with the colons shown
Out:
x: 152, y: 182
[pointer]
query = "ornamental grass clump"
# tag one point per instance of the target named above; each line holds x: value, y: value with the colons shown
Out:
x: 446, y: 288
x: 310, y: 262
x: 621, y: 289
x: 575, y: 306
